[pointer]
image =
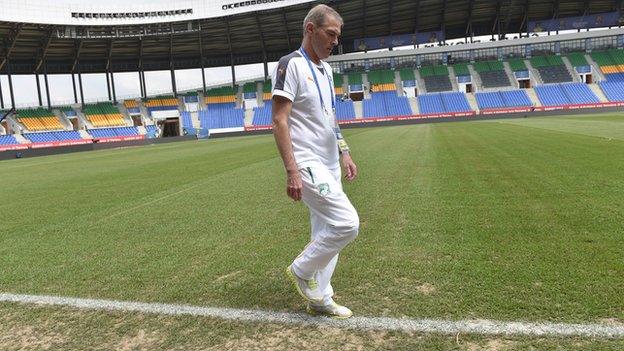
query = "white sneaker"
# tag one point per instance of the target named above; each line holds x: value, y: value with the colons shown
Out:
x: 308, y: 289
x: 333, y: 310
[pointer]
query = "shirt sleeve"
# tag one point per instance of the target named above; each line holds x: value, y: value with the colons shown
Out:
x: 285, y: 79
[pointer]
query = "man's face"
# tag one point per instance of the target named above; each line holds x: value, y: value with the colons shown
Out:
x: 325, y: 37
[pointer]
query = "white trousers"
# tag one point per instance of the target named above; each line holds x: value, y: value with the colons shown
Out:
x: 334, y: 223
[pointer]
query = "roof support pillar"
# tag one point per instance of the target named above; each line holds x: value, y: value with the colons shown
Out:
x: 201, y: 58
x: 112, y: 78
x: 80, y: 84
x: 1, y: 97
x: 108, y: 88
x: 47, y: 86
x: 8, y: 69
x: 227, y: 24
x: 38, y: 89
x: 74, y: 85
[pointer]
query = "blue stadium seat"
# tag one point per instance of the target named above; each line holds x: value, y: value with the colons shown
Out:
x: 385, y: 104
x: 503, y: 99
x: 222, y: 115
x: 262, y: 115
x: 614, y: 91
x: 345, y: 110
x: 443, y: 103
x: 113, y: 132
x: 48, y: 137
x: 565, y: 94
x: 8, y: 140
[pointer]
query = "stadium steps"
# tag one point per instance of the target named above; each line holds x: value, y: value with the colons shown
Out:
x: 366, y: 83
x: 595, y: 88
x: 144, y: 113
x: 195, y: 119
x: 413, y: 102
x: 420, y: 83
x: 64, y: 121
x: 124, y: 112
x: 21, y: 139
x: 472, y: 101
x: 533, y: 97
x: 358, y: 107
x: 84, y: 134
x: 571, y: 70
x: 476, y: 79
x: 239, y: 96
x: 597, y: 75
x: 453, y: 78
x: 83, y: 119
x: 510, y: 75
x: 202, y: 100
x: 536, y: 78
x: 398, y: 83
x: 141, y: 130
x: 248, y: 121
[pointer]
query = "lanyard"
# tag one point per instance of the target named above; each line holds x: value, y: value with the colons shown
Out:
x: 333, y: 100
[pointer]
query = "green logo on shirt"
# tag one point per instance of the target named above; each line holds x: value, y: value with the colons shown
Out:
x: 323, y: 189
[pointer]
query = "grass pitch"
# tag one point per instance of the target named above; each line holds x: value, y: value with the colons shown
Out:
x: 506, y: 219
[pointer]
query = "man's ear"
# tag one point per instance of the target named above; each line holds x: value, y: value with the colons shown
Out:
x: 309, y: 27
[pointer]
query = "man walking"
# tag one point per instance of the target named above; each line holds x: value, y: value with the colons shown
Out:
x: 311, y: 145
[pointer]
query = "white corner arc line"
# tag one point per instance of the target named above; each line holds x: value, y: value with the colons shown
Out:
x: 479, y: 326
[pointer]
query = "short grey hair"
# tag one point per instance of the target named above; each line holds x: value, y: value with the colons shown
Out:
x: 318, y: 14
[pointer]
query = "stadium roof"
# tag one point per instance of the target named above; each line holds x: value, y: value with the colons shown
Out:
x: 261, y: 36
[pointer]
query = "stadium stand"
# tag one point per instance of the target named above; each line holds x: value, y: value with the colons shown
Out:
x: 262, y: 114
x: 186, y: 120
x: 220, y: 95
x: 503, y: 99
x: 39, y: 119
x: 103, y: 114
x: 250, y: 90
x: 492, y: 74
x: 338, y: 82
x: 385, y: 104
x: 46, y: 137
x: 611, y: 64
x: 577, y: 59
x: 68, y: 111
x: 221, y: 115
x: 436, y: 78
x: 221, y: 111
x: 443, y: 103
x: 551, y: 69
x: 613, y: 90
x: 190, y: 97
x: 355, y: 81
x: 161, y: 103
x: 132, y: 106
x: 461, y: 69
x: 267, y: 88
x: 151, y: 129
x: 113, y: 132
x: 517, y: 65
x: 565, y: 94
x: 8, y: 139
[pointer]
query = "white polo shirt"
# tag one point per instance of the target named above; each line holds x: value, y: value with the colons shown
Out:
x: 311, y: 130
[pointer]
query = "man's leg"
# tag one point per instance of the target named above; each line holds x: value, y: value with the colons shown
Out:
x: 323, y: 195
x: 323, y: 276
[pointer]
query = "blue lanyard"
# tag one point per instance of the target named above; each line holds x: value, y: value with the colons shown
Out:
x: 333, y: 100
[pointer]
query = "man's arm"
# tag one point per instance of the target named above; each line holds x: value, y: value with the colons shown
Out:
x: 347, y: 162
x: 281, y: 110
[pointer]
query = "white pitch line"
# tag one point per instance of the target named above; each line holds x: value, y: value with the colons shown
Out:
x: 479, y: 326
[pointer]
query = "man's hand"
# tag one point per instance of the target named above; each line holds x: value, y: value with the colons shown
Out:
x: 294, y: 185
x: 349, y: 166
